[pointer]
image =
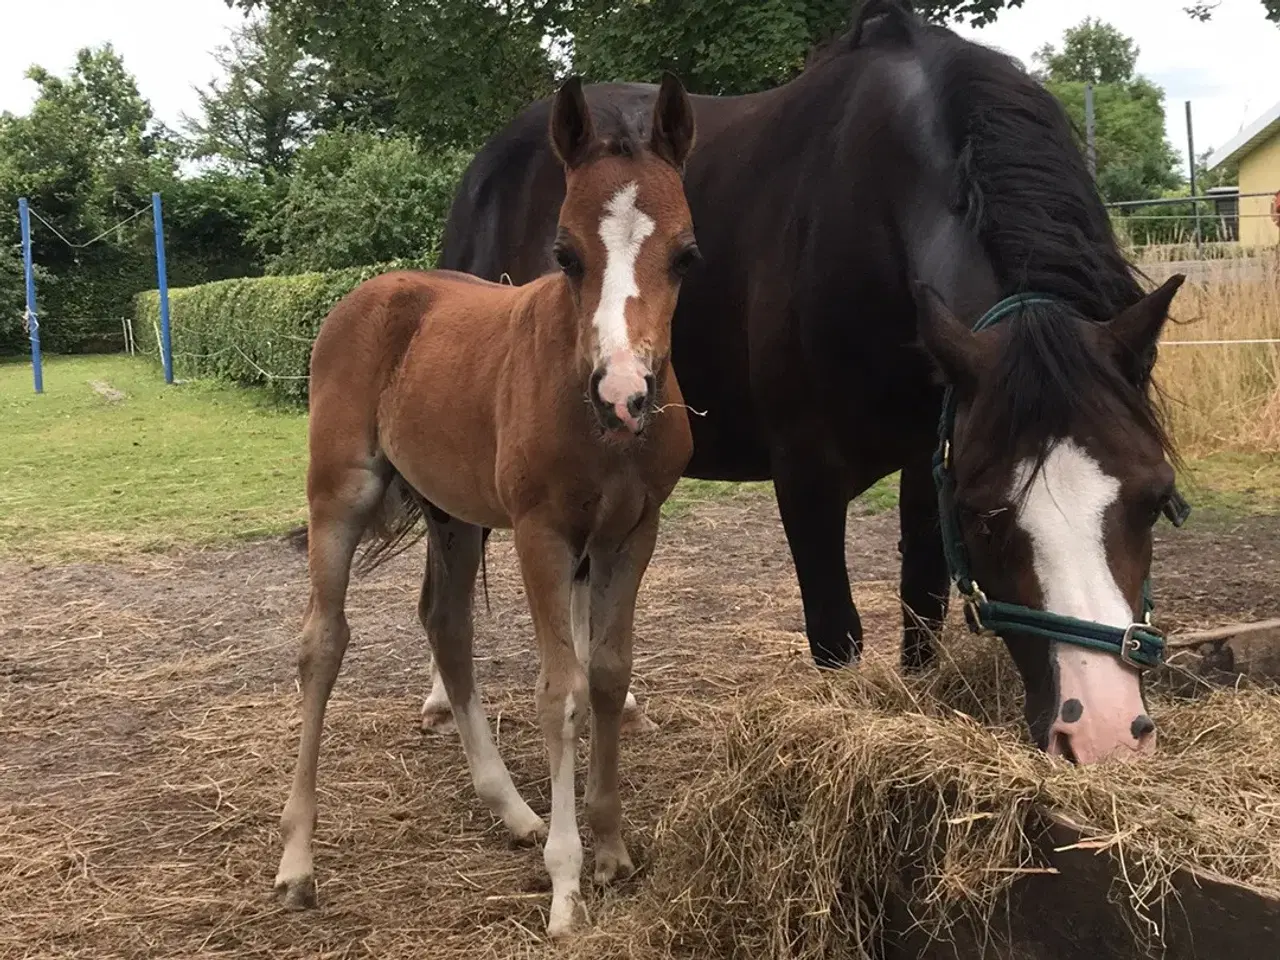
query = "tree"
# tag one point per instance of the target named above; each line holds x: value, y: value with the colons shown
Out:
x: 265, y: 109
x: 1134, y: 158
x: 87, y: 155
x: 450, y: 71
x: 357, y: 198
x: 1092, y: 52
x: 453, y: 71
x: 1202, y: 10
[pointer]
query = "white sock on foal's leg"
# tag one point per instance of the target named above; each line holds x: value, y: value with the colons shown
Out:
x: 563, y: 851
x: 490, y: 776
x: 437, y: 714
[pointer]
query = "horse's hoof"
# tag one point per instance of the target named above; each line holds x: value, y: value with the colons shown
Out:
x: 567, y: 915
x: 297, y: 894
x: 438, y: 721
x: 528, y: 830
x: 637, y: 725
x: 612, y: 866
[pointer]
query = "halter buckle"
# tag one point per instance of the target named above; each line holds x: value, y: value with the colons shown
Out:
x: 973, y: 600
x: 1130, y: 644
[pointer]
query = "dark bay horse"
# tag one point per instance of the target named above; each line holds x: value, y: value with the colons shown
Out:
x: 550, y: 408
x: 856, y: 224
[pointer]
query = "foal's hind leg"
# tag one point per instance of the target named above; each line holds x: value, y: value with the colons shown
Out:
x: 340, y: 510
x: 453, y: 557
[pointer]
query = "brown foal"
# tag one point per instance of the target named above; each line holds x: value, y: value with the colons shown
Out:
x: 551, y: 409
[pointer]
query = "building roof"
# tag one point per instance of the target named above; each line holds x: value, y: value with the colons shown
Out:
x: 1248, y: 138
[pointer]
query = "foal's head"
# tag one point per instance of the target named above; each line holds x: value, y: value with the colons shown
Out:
x: 1061, y: 470
x: 625, y: 240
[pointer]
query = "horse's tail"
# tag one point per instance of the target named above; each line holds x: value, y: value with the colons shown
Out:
x: 396, y: 526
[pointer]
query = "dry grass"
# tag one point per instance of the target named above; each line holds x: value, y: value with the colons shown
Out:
x: 828, y: 801
x: 1223, y: 397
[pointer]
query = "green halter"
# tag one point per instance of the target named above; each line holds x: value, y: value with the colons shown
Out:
x: 1140, y: 644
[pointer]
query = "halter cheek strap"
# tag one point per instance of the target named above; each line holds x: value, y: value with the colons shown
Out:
x: 1140, y: 644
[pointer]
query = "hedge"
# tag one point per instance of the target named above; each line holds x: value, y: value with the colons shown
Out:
x: 256, y: 330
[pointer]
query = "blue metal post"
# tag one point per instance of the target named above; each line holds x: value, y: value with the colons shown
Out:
x: 33, y: 323
x: 162, y: 280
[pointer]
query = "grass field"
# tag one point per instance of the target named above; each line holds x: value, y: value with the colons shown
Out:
x: 84, y: 475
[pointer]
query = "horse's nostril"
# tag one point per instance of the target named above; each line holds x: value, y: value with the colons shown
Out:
x: 1142, y: 726
x: 637, y: 403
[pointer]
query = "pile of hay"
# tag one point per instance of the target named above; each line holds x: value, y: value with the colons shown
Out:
x: 831, y: 798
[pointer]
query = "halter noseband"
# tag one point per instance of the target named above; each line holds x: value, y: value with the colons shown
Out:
x: 1140, y: 645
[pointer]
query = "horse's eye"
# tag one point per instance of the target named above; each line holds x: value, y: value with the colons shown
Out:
x: 685, y: 260
x: 567, y: 260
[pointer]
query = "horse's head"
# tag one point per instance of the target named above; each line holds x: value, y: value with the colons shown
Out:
x: 1053, y: 467
x: 624, y: 241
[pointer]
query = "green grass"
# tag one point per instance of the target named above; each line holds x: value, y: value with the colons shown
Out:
x: 191, y: 463
x: 207, y: 463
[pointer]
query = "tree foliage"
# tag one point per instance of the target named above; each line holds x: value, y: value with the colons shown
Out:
x: 358, y: 198
x: 266, y: 107
x: 1092, y: 52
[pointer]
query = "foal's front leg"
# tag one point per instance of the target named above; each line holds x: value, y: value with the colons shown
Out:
x: 615, y: 581
x: 547, y: 563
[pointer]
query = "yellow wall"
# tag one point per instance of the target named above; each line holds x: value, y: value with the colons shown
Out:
x: 1260, y: 171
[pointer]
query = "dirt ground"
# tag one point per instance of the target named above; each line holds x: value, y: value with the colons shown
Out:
x: 148, y: 723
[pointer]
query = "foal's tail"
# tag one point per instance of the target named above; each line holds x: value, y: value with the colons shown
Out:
x: 395, y: 527
x: 398, y: 524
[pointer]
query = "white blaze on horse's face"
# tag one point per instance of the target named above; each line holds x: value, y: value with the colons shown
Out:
x: 1099, y: 711
x: 623, y: 379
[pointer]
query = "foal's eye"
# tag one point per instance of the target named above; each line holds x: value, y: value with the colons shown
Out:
x: 567, y: 260
x: 684, y: 261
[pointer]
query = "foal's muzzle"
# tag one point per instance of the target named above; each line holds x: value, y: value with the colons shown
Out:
x: 622, y: 398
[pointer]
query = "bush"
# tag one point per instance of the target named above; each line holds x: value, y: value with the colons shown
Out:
x: 256, y: 330
x: 357, y: 198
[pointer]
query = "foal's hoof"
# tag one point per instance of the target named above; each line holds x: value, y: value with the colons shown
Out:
x: 568, y: 915
x: 637, y: 724
x: 634, y: 721
x: 529, y: 833
x: 612, y: 866
x: 437, y: 719
x: 298, y: 893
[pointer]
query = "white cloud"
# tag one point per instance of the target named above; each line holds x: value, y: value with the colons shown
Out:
x: 166, y: 44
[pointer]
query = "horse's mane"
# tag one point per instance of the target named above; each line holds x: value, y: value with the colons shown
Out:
x: 1022, y: 187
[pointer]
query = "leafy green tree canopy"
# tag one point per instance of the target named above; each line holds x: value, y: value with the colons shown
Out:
x: 264, y: 110
x: 1092, y: 52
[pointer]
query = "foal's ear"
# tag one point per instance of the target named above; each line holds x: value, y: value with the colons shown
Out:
x: 1137, y: 329
x: 953, y: 346
x: 674, y: 130
x: 572, y: 131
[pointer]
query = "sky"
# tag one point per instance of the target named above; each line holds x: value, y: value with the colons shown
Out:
x: 1227, y: 67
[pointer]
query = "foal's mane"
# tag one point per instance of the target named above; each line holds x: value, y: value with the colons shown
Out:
x: 1023, y: 189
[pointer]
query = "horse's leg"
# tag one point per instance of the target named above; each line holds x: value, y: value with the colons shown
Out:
x: 813, y: 503
x: 548, y: 564
x: 615, y: 582
x: 634, y: 720
x: 437, y: 714
x: 448, y: 587
x: 342, y: 501
x: 924, y: 586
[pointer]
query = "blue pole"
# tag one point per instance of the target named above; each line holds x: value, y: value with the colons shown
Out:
x: 162, y: 280
x: 33, y: 323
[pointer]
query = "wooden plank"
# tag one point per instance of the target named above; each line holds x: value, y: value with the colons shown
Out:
x: 1082, y: 911
x: 1258, y: 630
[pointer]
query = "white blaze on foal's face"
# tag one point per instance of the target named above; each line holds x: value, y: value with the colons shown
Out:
x: 1064, y: 510
x: 622, y: 372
